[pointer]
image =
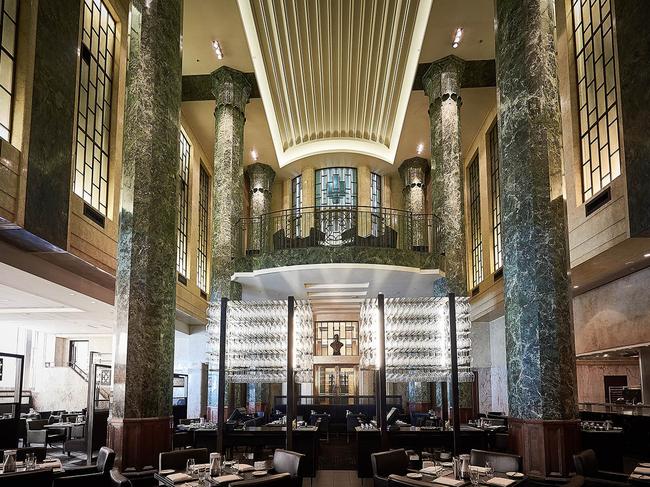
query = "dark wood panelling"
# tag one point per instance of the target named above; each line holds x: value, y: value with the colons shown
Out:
x: 139, y: 441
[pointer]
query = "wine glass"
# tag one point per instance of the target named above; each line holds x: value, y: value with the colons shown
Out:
x: 489, y: 472
x: 189, y: 466
x: 474, y: 476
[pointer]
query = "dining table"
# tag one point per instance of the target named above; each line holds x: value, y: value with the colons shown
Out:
x: 445, y: 476
x: 67, y: 426
x: 228, y: 475
x: 52, y: 463
x: 641, y: 474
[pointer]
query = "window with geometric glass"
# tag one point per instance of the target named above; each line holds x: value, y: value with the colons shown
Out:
x: 493, y: 158
x: 8, y: 26
x: 94, y: 105
x: 183, y: 205
x: 475, y: 222
x: 596, y: 72
x: 296, y: 203
x: 375, y: 202
x: 347, y: 333
x: 204, y: 213
x: 336, y: 186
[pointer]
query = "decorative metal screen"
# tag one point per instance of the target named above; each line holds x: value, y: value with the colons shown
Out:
x: 183, y: 205
x: 9, y: 26
x: 346, y: 331
x: 475, y: 222
x: 296, y: 202
x: 418, y: 346
x: 256, y: 341
x: 596, y: 70
x: 94, y: 105
x: 495, y: 178
x: 375, y: 202
x: 204, y: 215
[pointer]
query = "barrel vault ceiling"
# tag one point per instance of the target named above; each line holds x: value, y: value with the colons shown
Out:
x: 335, y: 75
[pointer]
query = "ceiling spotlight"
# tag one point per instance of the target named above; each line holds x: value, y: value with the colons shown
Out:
x: 217, y: 49
x: 457, y: 37
x: 254, y: 155
x: 420, y: 148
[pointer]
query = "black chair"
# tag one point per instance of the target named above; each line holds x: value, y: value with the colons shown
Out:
x: 118, y: 480
x: 277, y: 480
x: 183, y: 439
x: 386, y: 463
x: 285, y: 461
x: 36, y: 478
x: 587, y: 466
x: 186, y: 421
x: 205, y: 439
x: 323, y: 424
x: 9, y: 433
x: 500, y: 462
x: 177, y: 459
x: 39, y: 451
x: 401, y: 481
x: 101, y: 469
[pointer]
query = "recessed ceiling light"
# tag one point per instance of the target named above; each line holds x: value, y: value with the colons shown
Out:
x: 254, y: 155
x: 458, y: 35
x: 217, y: 49
x: 576, y: 287
x: 420, y: 148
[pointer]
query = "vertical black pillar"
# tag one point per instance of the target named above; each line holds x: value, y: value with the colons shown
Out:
x: 382, y: 370
x: 291, y: 392
x: 455, y: 396
x: 221, y: 387
x: 445, y: 402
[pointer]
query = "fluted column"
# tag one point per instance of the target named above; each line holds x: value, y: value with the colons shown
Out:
x: 442, y: 86
x: 231, y: 90
x: 414, y: 176
x: 539, y: 331
x: 141, y: 423
x: 260, y: 178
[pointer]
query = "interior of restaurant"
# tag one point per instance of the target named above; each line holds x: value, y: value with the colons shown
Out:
x: 324, y: 242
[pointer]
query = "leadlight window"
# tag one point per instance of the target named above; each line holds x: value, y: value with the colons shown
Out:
x: 596, y: 70
x: 336, y: 186
x: 204, y: 214
x: 296, y: 202
x: 183, y: 205
x: 375, y: 202
x: 8, y: 24
x: 348, y: 335
x: 94, y: 105
x: 495, y: 179
x: 475, y: 222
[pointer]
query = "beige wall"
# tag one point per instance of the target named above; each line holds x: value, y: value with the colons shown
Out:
x: 591, y: 373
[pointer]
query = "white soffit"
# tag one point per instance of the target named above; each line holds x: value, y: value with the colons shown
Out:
x: 335, y: 75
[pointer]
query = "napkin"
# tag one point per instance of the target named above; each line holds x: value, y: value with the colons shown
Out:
x: 642, y: 470
x: 243, y: 467
x: 179, y: 477
x: 449, y: 481
x: 226, y: 478
x: 431, y: 470
x: 479, y: 469
x: 499, y: 482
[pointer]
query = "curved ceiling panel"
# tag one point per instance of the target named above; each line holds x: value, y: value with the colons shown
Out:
x: 335, y: 75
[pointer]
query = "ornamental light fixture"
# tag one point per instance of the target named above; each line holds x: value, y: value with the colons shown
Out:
x: 457, y: 37
x: 420, y: 148
x: 217, y: 49
x: 254, y: 155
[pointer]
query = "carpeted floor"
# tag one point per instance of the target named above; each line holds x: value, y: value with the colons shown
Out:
x: 337, y: 454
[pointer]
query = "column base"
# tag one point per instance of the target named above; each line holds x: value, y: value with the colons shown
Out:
x: 138, y: 441
x: 546, y: 446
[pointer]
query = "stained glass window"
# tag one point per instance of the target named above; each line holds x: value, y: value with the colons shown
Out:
x: 204, y: 215
x: 475, y: 222
x: 9, y: 27
x: 597, y: 99
x: 94, y: 105
x: 183, y: 205
x: 336, y: 186
x: 495, y: 179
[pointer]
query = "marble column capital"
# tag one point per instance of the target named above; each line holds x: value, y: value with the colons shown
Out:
x: 260, y: 177
x: 230, y: 87
x: 443, y: 79
x: 414, y: 171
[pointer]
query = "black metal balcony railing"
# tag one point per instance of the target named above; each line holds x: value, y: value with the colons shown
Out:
x: 338, y: 227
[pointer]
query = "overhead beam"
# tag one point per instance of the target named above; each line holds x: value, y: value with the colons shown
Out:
x: 478, y: 74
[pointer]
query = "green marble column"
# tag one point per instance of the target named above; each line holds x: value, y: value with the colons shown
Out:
x: 260, y: 178
x: 414, y: 175
x: 231, y: 90
x: 540, y: 351
x: 442, y: 86
x: 145, y: 298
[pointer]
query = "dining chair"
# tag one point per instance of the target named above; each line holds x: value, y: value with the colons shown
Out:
x: 101, y: 469
x: 387, y: 463
x: 286, y: 461
x: 177, y: 459
x: 119, y: 480
x: 277, y: 480
x: 586, y: 465
x: 500, y: 462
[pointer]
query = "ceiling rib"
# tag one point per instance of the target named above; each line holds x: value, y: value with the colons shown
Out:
x: 335, y: 75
